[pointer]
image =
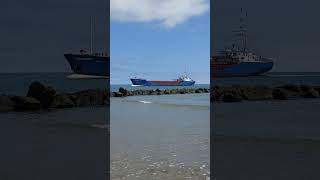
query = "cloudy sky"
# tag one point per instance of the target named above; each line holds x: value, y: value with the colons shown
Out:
x: 35, y: 34
x: 160, y: 39
x: 154, y: 36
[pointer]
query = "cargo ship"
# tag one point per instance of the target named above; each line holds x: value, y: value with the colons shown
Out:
x: 181, y: 81
x: 89, y: 63
x: 239, y: 61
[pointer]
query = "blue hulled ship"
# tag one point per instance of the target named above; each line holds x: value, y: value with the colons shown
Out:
x: 89, y: 64
x: 183, y: 80
x: 239, y: 60
x: 93, y: 64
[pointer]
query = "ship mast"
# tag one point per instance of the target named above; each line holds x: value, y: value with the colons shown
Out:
x: 91, y: 35
x: 243, y: 30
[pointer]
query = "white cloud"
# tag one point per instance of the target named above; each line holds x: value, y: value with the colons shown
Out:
x: 169, y: 13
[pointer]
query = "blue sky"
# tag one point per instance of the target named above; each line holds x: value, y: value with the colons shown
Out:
x: 161, y: 45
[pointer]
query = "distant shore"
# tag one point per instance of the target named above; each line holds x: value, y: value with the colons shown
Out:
x: 43, y: 97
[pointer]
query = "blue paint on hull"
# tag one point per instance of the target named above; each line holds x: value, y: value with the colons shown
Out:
x: 143, y: 82
x: 241, y: 69
x: 89, y: 64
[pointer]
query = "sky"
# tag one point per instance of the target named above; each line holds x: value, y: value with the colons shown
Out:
x: 155, y: 36
x: 160, y: 40
x: 35, y: 34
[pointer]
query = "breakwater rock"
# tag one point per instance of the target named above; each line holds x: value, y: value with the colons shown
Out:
x: 42, y: 97
x: 124, y: 92
x: 259, y: 93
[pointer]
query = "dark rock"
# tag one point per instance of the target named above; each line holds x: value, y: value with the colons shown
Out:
x: 62, y: 101
x: 91, y: 97
x: 279, y: 94
x: 6, y: 104
x: 291, y: 87
x: 166, y: 91
x: 25, y: 103
x: 257, y: 93
x: 44, y: 94
x: 123, y: 91
x: 312, y: 93
x: 118, y: 94
x: 229, y: 97
x: 305, y: 88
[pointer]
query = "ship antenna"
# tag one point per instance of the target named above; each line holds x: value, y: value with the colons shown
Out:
x: 91, y: 35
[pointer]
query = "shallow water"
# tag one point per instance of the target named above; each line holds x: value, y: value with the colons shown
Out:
x: 60, y: 144
x: 167, y: 138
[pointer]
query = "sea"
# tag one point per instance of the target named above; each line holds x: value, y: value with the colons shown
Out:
x: 152, y: 137
x: 266, y: 139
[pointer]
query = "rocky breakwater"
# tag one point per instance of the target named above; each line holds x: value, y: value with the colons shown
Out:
x: 259, y: 93
x: 42, y: 97
x: 122, y: 92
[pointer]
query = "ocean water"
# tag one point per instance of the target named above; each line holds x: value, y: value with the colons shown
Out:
x: 267, y: 139
x: 55, y: 144
x: 18, y: 83
x: 271, y: 79
x: 157, y: 137
x: 160, y: 137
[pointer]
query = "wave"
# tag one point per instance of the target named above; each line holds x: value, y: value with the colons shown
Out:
x: 82, y: 76
x: 145, y: 102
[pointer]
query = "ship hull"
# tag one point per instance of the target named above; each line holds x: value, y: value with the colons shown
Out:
x: 89, y: 64
x: 240, y: 69
x: 143, y: 82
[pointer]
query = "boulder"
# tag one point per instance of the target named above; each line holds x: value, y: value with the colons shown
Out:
x: 229, y: 97
x: 117, y: 94
x: 44, y: 94
x: 123, y: 91
x: 279, y: 94
x: 166, y: 91
x: 6, y: 104
x: 25, y: 103
x: 291, y: 87
x: 311, y: 93
x: 62, y: 101
x: 91, y: 97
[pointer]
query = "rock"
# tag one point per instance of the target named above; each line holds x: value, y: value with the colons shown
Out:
x: 305, y: 88
x: 311, y: 93
x: 291, y: 87
x: 279, y: 94
x: 26, y: 103
x: 6, y: 104
x: 123, y: 91
x: 44, y: 94
x: 118, y: 94
x: 258, y: 93
x: 229, y: 97
x: 166, y: 91
x: 91, y: 97
x: 62, y: 101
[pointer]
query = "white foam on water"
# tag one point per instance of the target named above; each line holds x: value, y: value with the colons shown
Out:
x: 82, y: 76
x: 136, y: 85
x: 145, y: 102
